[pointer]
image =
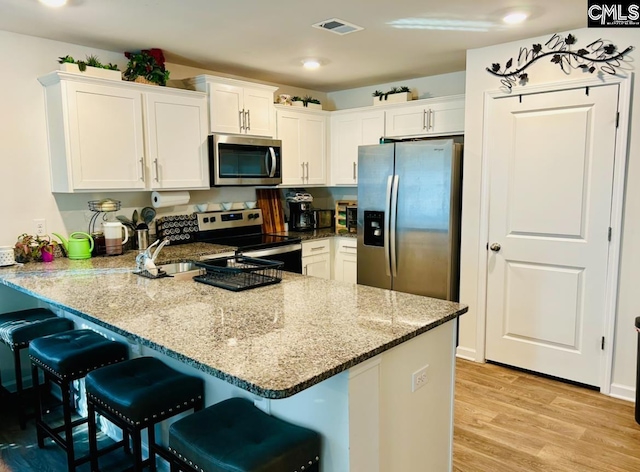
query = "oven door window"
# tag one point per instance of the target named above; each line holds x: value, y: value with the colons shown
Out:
x: 242, y: 161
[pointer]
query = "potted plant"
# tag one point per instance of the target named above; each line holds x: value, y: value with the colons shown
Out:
x: 34, y: 248
x: 306, y: 101
x: 91, y: 66
x: 395, y: 95
x: 147, y: 67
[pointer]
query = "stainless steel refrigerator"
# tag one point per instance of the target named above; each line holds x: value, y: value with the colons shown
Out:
x: 409, y: 198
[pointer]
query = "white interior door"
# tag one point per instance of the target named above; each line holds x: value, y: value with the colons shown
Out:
x: 551, y: 159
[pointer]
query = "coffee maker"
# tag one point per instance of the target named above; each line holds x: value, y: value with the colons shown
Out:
x: 301, y: 216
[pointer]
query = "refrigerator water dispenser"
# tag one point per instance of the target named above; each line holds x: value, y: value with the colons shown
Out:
x: 374, y: 228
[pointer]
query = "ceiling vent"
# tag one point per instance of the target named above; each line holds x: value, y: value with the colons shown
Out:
x: 338, y: 26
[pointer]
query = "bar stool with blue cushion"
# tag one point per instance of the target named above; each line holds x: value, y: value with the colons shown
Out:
x: 138, y: 394
x: 235, y: 436
x: 17, y: 330
x: 64, y: 358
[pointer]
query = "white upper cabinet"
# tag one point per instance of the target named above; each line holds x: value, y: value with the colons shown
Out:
x: 97, y: 130
x: 177, y: 142
x: 304, y: 146
x: 236, y: 106
x: 433, y: 117
x: 348, y: 131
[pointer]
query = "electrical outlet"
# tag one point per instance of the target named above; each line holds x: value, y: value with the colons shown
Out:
x: 419, y: 378
x: 41, y: 226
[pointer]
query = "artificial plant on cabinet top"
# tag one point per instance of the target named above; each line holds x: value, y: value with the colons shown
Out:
x: 147, y: 64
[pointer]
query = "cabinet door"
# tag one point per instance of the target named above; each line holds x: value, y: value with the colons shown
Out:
x: 317, y: 266
x: 177, y: 141
x: 446, y: 118
x: 226, y: 108
x: 344, y: 149
x: 290, y: 133
x: 106, y: 142
x: 314, y: 149
x: 259, y: 112
x: 371, y: 127
x: 346, y: 265
x: 406, y: 121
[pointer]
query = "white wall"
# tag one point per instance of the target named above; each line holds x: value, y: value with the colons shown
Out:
x: 423, y: 87
x: 478, y: 81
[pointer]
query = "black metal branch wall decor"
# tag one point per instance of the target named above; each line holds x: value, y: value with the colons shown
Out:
x: 599, y: 56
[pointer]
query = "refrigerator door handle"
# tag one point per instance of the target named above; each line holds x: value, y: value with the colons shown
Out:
x: 387, y: 263
x: 392, y: 225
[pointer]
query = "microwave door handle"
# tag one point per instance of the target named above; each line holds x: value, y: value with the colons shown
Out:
x: 387, y: 262
x: 274, y: 162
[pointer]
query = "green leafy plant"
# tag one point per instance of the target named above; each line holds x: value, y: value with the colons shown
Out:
x: 306, y: 100
x: 91, y: 61
x: 149, y: 64
x: 383, y: 95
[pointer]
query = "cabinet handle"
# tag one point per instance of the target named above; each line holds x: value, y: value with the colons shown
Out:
x: 307, y: 164
x: 302, y: 171
x: 350, y: 247
x: 248, y: 120
x: 424, y: 119
x: 305, y: 270
x: 430, y: 120
x: 142, y: 169
x: 317, y: 248
x: 241, y: 119
x: 354, y: 170
x: 155, y: 164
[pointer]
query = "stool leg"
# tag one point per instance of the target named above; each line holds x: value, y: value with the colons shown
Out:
x: 136, y: 437
x: 93, y: 436
x: 68, y: 428
x: 38, y: 404
x: 17, y: 366
x: 152, y: 447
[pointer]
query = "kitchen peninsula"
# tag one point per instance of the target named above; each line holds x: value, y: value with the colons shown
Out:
x: 336, y: 357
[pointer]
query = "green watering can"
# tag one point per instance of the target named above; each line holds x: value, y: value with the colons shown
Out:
x: 78, y: 246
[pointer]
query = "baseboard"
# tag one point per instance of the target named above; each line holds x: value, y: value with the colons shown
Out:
x: 466, y: 353
x: 623, y: 392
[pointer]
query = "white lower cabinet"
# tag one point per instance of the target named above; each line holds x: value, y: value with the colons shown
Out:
x: 345, y: 265
x: 316, y: 258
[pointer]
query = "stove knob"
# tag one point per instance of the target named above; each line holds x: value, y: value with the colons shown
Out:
x: 205, y: 220
x: 256, y: 215
x: 251, y: 216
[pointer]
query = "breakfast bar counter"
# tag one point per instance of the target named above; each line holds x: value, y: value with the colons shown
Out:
x: 299, y: 342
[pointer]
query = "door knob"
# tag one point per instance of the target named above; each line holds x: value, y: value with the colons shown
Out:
x: 495, y: 247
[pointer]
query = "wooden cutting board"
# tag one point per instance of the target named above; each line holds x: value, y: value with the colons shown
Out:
x: 271, y: 206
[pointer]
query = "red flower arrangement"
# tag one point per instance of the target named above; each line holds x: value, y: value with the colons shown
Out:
x: 149, y: 64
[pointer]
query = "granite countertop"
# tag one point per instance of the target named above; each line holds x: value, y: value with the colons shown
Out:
x: 317, y: 234
x: 273, y: 341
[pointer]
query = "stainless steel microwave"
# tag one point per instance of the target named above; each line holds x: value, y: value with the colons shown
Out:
x: 244, y: 160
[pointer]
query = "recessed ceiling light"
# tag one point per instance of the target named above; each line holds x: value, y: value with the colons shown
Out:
x: 515, y: 18
x: 311, y: 64
x: 53, y: 3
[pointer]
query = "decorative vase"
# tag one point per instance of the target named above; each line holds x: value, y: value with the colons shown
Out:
x: 141, y: 80
x: 393, y: 98
x: 47, y: 254
x: 91, y: 71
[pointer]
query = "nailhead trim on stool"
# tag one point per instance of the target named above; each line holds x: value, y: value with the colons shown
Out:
x: 63, y: 358
x: 136, y: 395
x: 17, y: 330
x: 235, y: 436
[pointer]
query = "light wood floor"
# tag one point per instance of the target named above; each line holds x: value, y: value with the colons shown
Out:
x: 508, y: 421
x: 505, y: 421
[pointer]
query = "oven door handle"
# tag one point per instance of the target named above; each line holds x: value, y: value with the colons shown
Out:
x: 272, y: 250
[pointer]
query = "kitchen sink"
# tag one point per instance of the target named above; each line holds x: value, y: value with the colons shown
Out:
x: 181, y: 270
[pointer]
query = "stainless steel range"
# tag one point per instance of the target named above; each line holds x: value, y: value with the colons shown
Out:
x: 243, y: 229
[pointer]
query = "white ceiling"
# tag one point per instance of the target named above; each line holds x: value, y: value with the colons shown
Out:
x: 267, y: 40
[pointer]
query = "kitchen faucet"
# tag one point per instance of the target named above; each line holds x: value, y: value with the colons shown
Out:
x: 146, y: 261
